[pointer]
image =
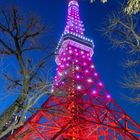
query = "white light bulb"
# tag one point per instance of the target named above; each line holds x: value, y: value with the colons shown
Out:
x: 92, y: 66
x: 60, y: 74
x: 94, y: 92
x: 79, y: 87
x: 77, y: 68
x: 89, y: 80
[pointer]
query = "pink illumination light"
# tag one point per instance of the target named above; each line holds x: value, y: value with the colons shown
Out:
x: 95, y: 74
x: 77, y: 76
x: 108, y: 96
x: 94, y: 92
x: 85, y: 64
x: 100, y: 84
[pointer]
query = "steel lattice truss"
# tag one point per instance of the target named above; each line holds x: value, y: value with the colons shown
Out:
x: 86, y: 113
x: 81, y: 108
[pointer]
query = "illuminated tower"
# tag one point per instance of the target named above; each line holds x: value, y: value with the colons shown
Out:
x: 80, y: 108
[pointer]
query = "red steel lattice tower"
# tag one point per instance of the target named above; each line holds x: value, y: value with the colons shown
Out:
x: 82, y: 108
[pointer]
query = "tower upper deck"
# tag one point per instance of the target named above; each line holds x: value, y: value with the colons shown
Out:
x: 74, y: 32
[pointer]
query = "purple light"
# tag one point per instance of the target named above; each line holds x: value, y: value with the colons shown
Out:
x: 108, y: 96
x: 65, y: 72
x: 82, y: 52
x: 87, y: 71
x: 68, y: 58
x: 67, y: 64
x: 94, y: 91
x: 62, y: 66
x: 85, y: 64
x: 77, y: 76
x: 100, y: 84
x: 95, y: 74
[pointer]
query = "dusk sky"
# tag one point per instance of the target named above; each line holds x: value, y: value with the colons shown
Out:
x: 107, y: 60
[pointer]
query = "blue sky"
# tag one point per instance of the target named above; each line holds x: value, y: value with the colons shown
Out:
x: 106, y: 59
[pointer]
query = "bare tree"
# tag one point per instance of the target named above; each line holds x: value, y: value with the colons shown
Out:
x: 132, y: 6
x: 123, y: 32
x: 18, y: 37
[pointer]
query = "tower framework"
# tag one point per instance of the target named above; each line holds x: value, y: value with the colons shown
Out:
x: 82, y: 108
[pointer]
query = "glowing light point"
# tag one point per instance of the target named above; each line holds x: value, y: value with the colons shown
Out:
x: 77, y: 68
x: 87, y: 71
x: 89, y: 80
x: 95, y: 74
x: 77, y: 76
x: 67, y: 64
x: 100, y: 84
x: 94, y: 91
x: 76, y: 61
x: 92, y: 66
x: 60, y: 74
x: 108, y: 96
x: 70, y: 51
x: 85, y: 64
x: 68, y: 58
x: 79, y: 87
x: 65, y: 72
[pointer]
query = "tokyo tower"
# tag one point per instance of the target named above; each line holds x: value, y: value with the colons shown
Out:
x: 80, y: 107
